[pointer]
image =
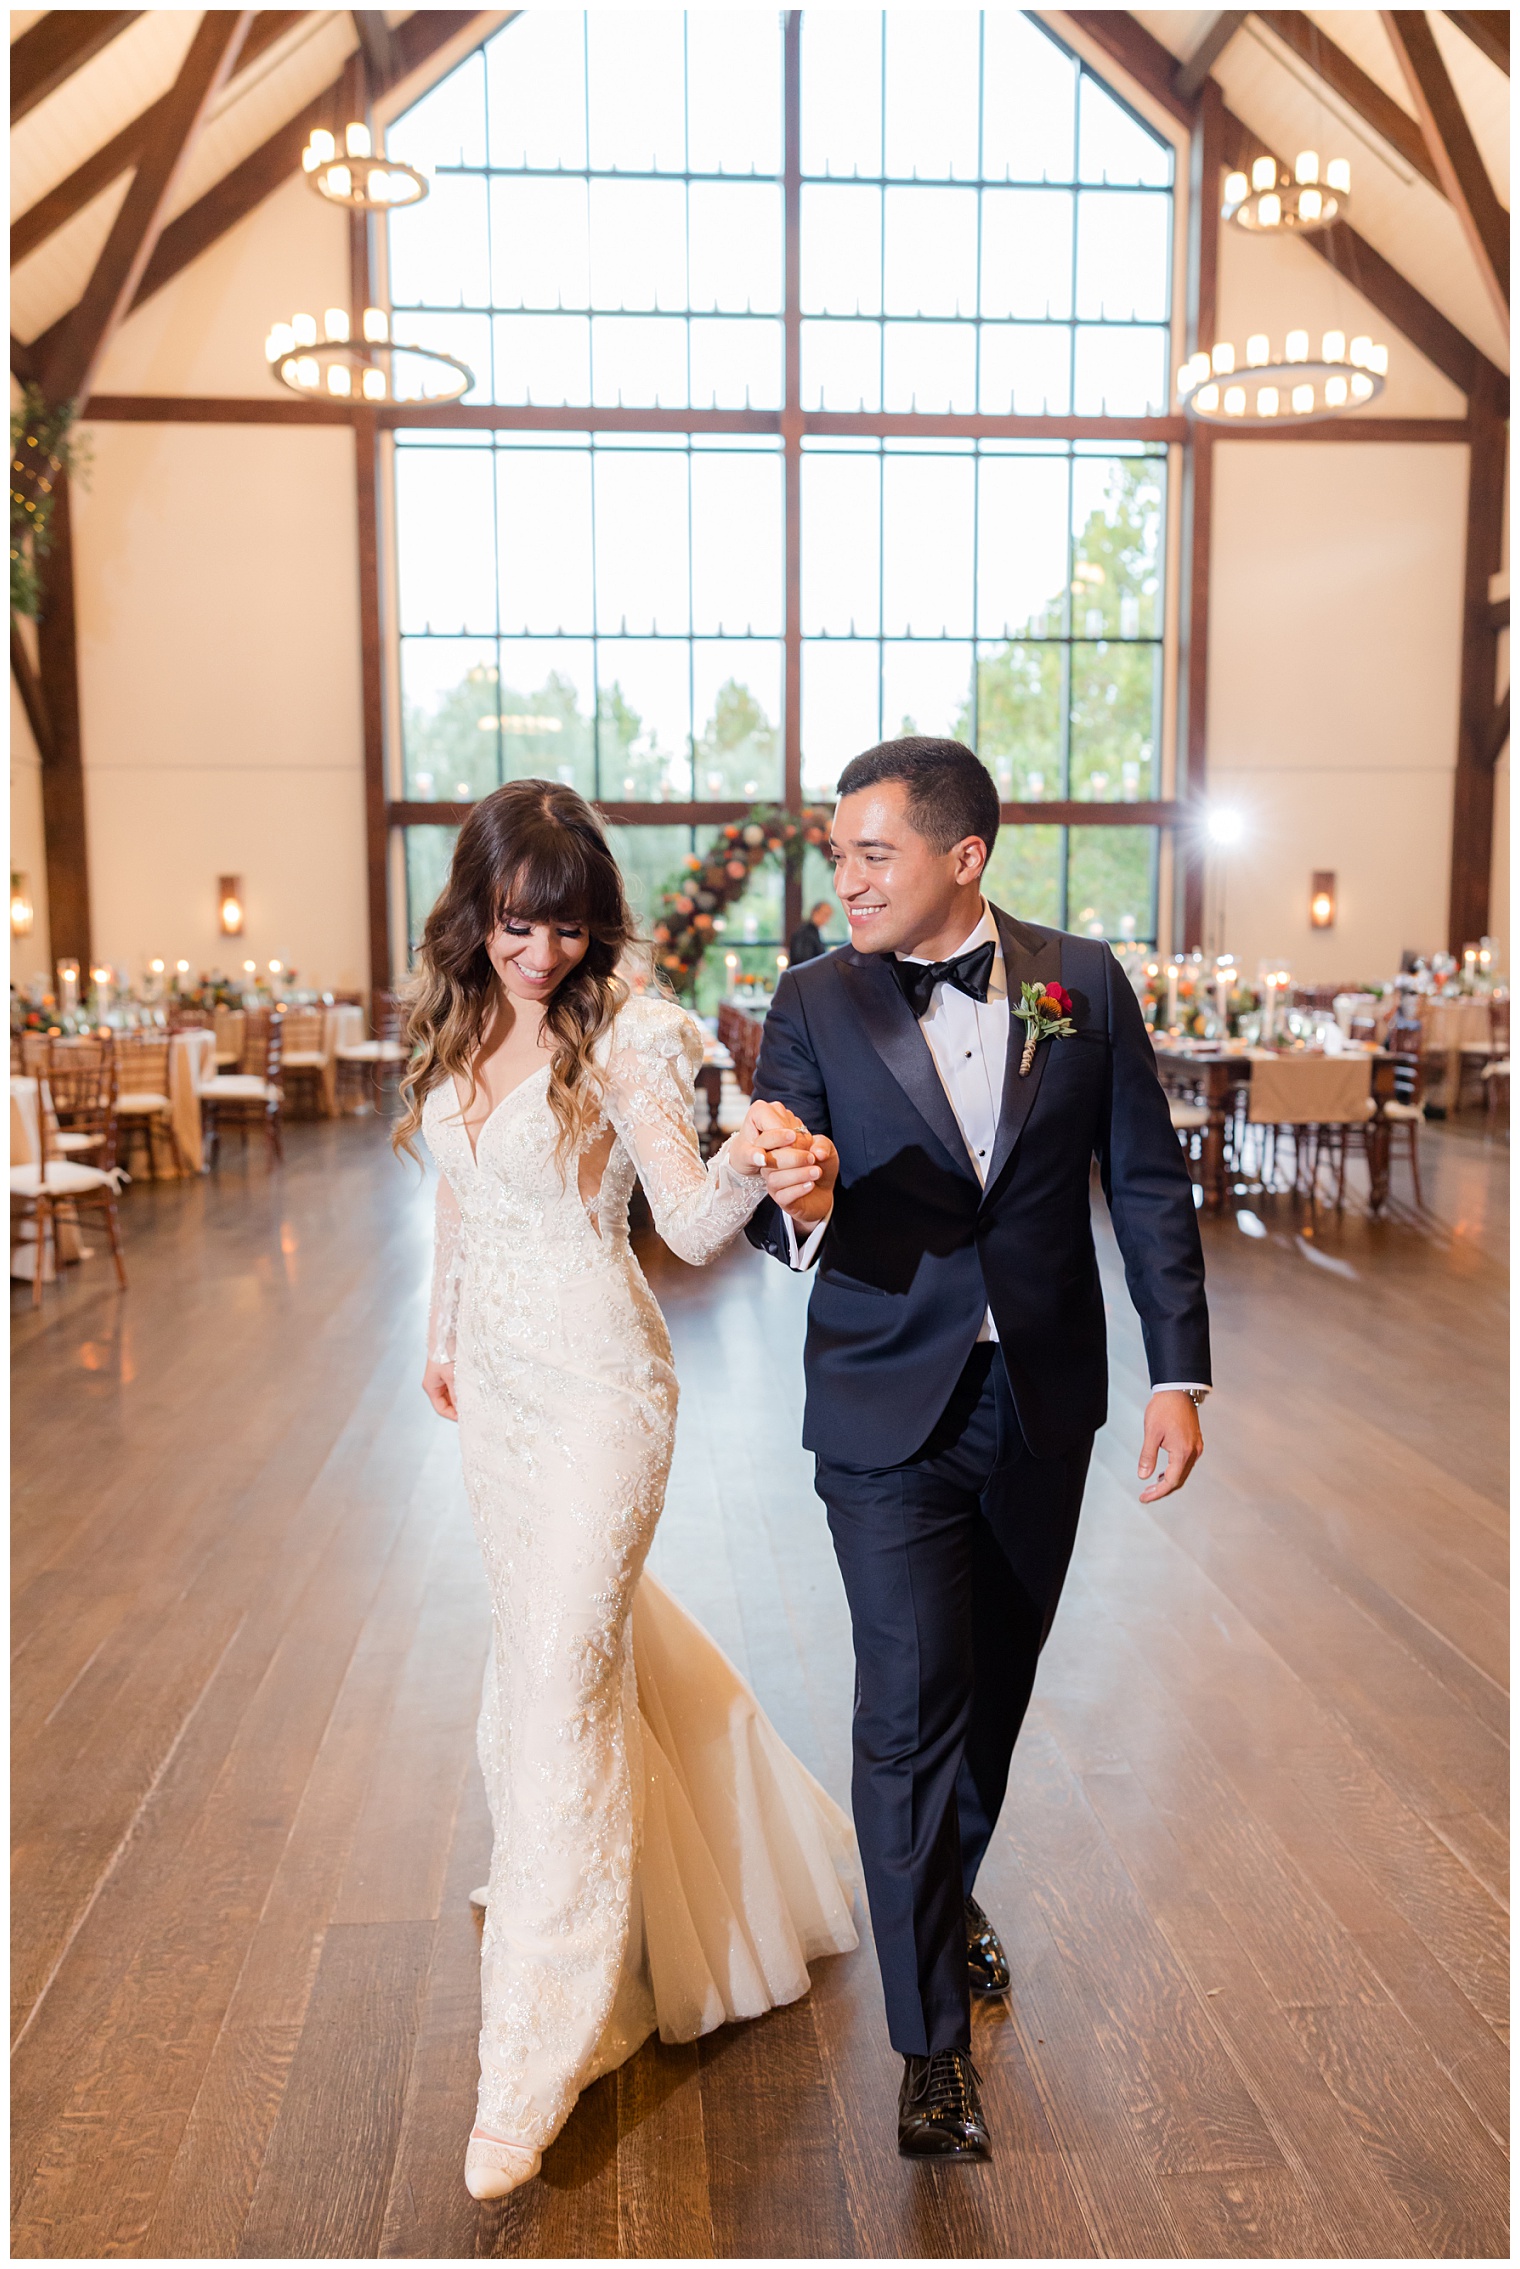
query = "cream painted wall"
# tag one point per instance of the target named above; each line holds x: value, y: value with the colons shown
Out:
x: 30, y: 954
x: 219, y: 669
x: 1334, y: 661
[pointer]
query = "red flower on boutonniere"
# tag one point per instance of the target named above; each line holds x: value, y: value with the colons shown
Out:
x: 1046, y: 1011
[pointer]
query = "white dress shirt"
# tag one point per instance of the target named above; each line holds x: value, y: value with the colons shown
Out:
x: 968, y: 1040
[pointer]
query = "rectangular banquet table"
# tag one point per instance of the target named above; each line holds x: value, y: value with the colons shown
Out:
x: 1296, y: 1090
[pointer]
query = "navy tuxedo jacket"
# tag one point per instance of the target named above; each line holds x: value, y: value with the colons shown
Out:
x: 917, y: 1249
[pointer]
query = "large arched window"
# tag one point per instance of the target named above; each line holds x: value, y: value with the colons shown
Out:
x: 780, y: 328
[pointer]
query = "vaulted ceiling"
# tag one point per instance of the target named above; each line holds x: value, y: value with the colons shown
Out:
x: 1331, y: 80
x: 94, y: 92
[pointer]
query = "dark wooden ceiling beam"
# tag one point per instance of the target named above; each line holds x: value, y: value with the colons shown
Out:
x: 1389, y: 120
x: 377, y: 43
x: 1125, y: 39
x: 88, y: 330
x: 1217, y: 35
x: 70, y: 196
x: 1498, y: 728
x: 1463, y: 174
x: 54, y: 49
x: 239, y: 192
x: 29, y: 686
x: 1488, y: 29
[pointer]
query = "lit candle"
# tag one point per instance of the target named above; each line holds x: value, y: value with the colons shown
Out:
x: 68, y: 986
x: 1222, y: 991
x: 1268, y: 1005
x: 1469, y: 962
x: 1171, y: 996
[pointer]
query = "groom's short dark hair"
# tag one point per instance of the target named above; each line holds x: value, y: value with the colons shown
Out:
x: 951, y: 794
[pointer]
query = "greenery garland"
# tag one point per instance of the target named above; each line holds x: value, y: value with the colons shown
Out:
x: 43, y: 449
x: 691, y: 906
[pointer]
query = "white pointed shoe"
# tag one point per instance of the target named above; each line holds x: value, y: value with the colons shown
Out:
x: 491, y: 2169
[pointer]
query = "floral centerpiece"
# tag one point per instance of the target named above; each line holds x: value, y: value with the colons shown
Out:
x: 694, y: 903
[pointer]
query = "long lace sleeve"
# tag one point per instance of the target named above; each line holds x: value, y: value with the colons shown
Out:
x: 651, y: 1085
x: 448, y: 1273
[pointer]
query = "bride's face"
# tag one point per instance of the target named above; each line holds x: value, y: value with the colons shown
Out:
x: 531, y: 958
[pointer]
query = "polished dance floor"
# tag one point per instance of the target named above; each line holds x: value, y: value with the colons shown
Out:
x: 1250, y: 1874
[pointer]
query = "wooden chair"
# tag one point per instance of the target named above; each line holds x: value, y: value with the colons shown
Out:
x: 1190, y: 1124
x: 1496, y: 1085
x: 142, y: 1093
x: 250, y: 1096
x: 1404, y: 1112
x: 303, y: 1059
x: 1477, y: 1055
x: 74, y: 1139
x: 183, y: 1018
x: 364, y: 1064
x: 87, y: 1095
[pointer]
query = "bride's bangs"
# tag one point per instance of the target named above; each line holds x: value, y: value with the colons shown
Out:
x: 563, y: 877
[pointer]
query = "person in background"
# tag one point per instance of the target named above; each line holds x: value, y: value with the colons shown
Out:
x: 806, y: 941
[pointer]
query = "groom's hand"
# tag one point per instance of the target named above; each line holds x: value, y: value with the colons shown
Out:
x: 1171, y: 1424
x: 801, y: 1179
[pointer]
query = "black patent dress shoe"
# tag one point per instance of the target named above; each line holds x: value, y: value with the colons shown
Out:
x: 986, y: 1963
x: 939, y: 2108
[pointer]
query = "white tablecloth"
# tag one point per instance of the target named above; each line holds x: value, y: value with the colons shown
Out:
x: 192, y: 1061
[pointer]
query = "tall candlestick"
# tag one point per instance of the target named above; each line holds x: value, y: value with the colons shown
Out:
x: 1171, y: 995
x: 1269, y: 1007
x: 1222, y: 996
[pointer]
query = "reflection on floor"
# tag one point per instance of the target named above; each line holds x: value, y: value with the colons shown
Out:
x: 1250, y: 1874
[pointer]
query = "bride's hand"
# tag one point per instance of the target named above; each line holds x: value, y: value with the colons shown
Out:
x: 769, y: 1134
x: 438, y: 1386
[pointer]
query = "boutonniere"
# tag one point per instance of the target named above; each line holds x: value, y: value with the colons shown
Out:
x: 1047, y: 1012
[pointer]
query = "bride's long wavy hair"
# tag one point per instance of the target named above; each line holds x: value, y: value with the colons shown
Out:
x: 533, y: 850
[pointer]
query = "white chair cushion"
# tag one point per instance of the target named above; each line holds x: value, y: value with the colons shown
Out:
x: 1187, y: 1114
x: 1499, y: 1070
x: 67, y: 1139
x: 236, y: 1087
x: 304, y: 1059
x: 1404, y: 1112
x: 371, y: 1052
x: 144, y: 1102
x: 63, y: 1179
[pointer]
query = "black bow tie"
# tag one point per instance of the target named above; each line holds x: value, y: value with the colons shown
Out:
x: 969, y: 973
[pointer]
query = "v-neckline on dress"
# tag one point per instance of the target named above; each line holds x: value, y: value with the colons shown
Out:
x: 475, y: 1141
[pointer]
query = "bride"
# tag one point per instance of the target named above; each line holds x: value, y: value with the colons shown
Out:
x: 660, y: 1858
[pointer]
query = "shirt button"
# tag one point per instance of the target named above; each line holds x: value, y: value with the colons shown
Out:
x: 968, y: 1055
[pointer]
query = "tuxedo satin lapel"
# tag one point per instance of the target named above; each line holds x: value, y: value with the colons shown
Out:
x: 894, y: 1033
x: 1031, y: 959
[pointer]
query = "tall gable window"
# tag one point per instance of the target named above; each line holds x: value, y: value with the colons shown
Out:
x: 723, y: 516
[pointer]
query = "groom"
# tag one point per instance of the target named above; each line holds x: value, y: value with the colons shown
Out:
x: 955, y: 1362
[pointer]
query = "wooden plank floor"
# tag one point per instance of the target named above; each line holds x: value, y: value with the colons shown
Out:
x: 1251, y: 1871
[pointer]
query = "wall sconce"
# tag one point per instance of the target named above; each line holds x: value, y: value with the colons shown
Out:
x: 21, y: 906
x: 229, y: 894
x: 1322, y: 901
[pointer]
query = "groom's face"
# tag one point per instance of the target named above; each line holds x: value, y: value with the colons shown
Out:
x: 897, y: 891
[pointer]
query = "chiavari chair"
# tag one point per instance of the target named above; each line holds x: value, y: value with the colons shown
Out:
x: 142, y: 1092
x: 303, y: 1059
x: 81, y: 1086
x: 363, y: 1064
x: 251, y: 1096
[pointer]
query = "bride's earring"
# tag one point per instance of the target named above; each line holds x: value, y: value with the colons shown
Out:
x: 491, y: 2169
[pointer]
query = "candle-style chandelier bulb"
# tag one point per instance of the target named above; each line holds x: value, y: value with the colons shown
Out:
x: 304, y: 330
x: 1270, y: 211
x: 1296, y: 346
x: 339, y: 379
x: 1338, y: 175
x: 356, y: 139
x: 1236, y: 189
x: 1264, y: 173
x: 319, y: 149
x: 1223, y: 359
x: 335, y: 321
x: 373, y: 385
x: 1332, y: 347
x: 376, y: 325
x: 1306, y: 166
x: 1258, y: 349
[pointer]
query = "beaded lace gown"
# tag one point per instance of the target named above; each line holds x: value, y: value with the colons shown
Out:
x: 660, y: 1858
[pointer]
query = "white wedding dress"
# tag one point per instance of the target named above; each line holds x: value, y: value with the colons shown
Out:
x: 660, y: 1857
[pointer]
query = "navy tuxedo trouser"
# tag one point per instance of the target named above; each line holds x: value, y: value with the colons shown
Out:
x: 952, y: 1565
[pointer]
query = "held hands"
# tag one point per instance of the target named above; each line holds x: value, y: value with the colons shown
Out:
x: 1171, y: 1424
x: 800, y: 1169
x: 438, y: 1386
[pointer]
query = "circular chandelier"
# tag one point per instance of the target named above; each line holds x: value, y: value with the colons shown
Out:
x: 345, y: 367
x: 1272, y: 199
x: 360, y: 176
x: 1295, y: 385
